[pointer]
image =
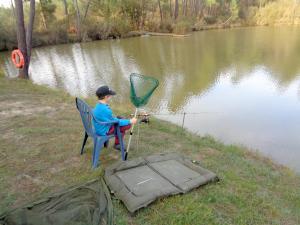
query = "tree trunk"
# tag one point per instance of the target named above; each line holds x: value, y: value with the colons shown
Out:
x: 12, y: 7
x: 30, y: 30
x: 176, y: 9
x: 78, y: 20
x: 66, y: 8
x: 185, y: 7
x: 197, y: 8
x: 43, y: 14
x: 24, y: 37
x: 86, y: 9
x: 143, y: 16
x: 66, y: 14
x: 160, y: 12
x: 171, y: 9
x: 193, y: 7
x: 23, y: 73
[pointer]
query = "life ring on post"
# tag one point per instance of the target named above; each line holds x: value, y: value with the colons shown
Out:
x: 17, y: 58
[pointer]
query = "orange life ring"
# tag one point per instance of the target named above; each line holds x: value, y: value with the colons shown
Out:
x: 17, y: 54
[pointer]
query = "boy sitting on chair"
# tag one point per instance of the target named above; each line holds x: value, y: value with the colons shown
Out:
x: 103, y: 113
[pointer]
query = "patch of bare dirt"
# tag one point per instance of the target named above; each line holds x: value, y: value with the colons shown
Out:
x: 9, y: 109
x: 22, y: 109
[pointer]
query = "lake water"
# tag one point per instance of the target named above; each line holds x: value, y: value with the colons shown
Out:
x: 241, y: 86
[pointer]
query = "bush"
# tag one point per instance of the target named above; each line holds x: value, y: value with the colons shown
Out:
x: 166, y: 26
x: 182, y: 27
x: 250, y: 16
x: 153, y: 26
x: 8, y: 37
x: 120, y: 27
x: 278, y: 12
x: 51, y: 37
x: 210, y: 19
x: 112, y: 28
x: 103, y: 29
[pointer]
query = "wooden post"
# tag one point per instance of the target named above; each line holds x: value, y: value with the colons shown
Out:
x: 183, y: 118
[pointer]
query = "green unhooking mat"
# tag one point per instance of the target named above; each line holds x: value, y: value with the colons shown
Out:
x: 140, y: 181
x: 85, y: 204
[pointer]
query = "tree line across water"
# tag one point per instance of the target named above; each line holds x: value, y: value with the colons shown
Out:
x: 64, y: 21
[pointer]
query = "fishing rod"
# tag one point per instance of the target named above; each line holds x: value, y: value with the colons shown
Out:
x: 145, y: 117
x: 181, y: 113
x: 171, y: 114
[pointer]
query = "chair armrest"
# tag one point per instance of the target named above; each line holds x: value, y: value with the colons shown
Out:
x: 105, y: 123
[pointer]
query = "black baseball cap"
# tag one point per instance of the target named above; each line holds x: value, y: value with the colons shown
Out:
x: 104, y: 91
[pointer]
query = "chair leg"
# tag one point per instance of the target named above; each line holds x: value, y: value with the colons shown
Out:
x: 123, y: 153
x: 98, y: 145
x: 106, y: 144
x: 84, y: 141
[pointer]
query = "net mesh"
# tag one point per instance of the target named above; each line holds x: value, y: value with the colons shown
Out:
x: 141, y: 89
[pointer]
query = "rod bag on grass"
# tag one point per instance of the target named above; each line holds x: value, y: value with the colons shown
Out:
x: 89, y: 203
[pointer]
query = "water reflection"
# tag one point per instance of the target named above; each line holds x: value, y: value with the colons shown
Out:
x: 267, y: 119
x: 247, y: 80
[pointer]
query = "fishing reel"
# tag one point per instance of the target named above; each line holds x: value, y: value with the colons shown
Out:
x: 143, y: 117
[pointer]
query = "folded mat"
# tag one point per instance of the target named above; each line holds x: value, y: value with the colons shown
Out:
x: 85, y: 204
x: 140, y: 181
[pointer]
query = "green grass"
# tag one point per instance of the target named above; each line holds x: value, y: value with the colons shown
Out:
x: 41, y: 135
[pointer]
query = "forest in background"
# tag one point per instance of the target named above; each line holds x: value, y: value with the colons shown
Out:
x: 65, y: 21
